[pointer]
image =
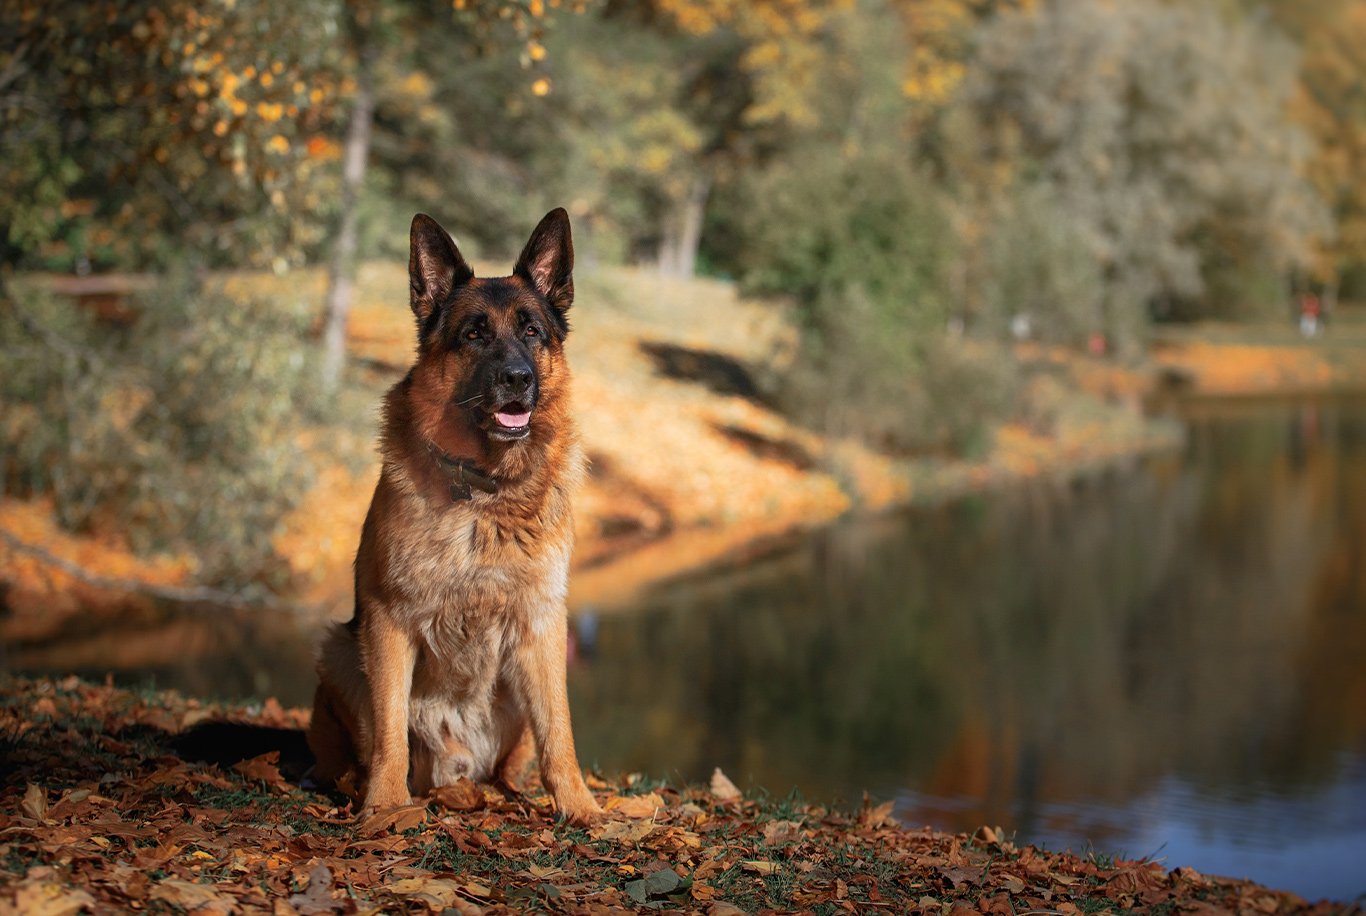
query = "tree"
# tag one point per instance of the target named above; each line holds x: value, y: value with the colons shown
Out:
x: 1161, y: 132
x: 374, y: 31
x: 1330, y: 101
x: 746, y: 76
x: 134, y: 132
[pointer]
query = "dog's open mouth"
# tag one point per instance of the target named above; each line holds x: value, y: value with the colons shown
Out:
x: 512, y: 421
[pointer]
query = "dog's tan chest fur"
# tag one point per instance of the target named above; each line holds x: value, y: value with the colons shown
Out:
x: 467, y: 586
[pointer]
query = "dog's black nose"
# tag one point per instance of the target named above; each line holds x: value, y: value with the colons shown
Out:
x: 516, y: 377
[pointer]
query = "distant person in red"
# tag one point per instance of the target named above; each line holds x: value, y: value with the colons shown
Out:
x: 1310, y: 311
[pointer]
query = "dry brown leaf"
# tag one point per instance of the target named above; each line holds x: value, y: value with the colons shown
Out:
x: 778, y: 832
x: 397, y: 819
x: 632, y: 831
x: 881, y: 816
x: 440, y: 891
x: 724, y: 909
x: 722, y: 788
x: 317, y: 897
x: 462, y: 795
x: 34, y: 804
x: 985, y: 834
x: 635, y: 805
x: 43, y: 898
x: 191, y: 896
x: 263, y: 768
x: 760, y: 867
x: 475, y: 889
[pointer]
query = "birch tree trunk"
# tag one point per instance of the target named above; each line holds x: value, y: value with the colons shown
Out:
x: 342, y: 269
x: 682, y: 235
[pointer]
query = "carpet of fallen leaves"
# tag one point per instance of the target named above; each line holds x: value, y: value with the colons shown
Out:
x: 105, y: 810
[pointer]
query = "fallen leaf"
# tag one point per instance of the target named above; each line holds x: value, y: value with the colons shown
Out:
x: 317, y: 897
x: 635, y: 805
x: 35, y: 802
x: 961, y: 875
x: 474, y: 889
x: 656, y: 884
x: 461, y: 795
x: 397, y: 819
x: 191, y: 896
x: 881, y: 816
x: 724, y: 909
x: 722, y: 788
x: 632, y: 831
x: 263, y: 769
x: 777, y: 833
x: 440, y: 892
x: 760, y: 867
x: 545, y: 871
x: 43, y: 898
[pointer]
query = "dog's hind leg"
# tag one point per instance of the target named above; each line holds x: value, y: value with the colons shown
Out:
x: 337, y: 735
x: 334, y: 751
x: 511, y: 770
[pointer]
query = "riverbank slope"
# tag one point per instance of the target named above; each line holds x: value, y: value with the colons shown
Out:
x: 110, y: 801
x: 692, y: 460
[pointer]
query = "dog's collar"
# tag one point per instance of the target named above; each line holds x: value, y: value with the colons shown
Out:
x: 464, y: 474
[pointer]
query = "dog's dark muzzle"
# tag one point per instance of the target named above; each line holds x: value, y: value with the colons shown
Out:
x: 512, y: 399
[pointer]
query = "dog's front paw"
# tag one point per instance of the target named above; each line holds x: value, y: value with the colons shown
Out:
x: 384, y: 798
x: 581, y: 810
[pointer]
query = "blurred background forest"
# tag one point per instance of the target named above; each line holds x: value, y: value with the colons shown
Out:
x: 883, y: 202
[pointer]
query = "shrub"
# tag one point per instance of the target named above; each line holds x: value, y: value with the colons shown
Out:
x: 864, y: 247
x: 177, y: 426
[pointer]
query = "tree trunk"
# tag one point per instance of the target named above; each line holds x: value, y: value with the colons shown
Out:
x: 667, y: 259
x: 690, y: 234
x: 682, y: 231
x: 342, y: 270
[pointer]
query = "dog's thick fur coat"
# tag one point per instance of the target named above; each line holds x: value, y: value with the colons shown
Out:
x: 454, y: 662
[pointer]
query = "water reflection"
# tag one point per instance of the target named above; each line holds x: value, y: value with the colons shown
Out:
x: 1165, y: 655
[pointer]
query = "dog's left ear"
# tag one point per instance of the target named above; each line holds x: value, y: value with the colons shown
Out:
x: 547, y: 261
x: 435, y: 267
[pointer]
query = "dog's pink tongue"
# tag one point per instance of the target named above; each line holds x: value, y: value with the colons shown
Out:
x: 512, y: 420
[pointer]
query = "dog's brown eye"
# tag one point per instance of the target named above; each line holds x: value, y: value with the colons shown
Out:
x: 532, y: 331
x: 472, y: 335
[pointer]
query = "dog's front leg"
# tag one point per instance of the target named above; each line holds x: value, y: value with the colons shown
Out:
x: 541, y: 657
x: 389, y: 655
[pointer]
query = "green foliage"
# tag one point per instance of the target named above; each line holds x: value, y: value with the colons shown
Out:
x: 131, y: 130
x: 1160, y: 133
x: 863, y: 245
x: 177, y: 425
x: 1036, y: 267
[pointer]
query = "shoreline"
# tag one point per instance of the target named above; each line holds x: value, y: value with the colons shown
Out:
x: 123, y: 800
x: 718, y: 471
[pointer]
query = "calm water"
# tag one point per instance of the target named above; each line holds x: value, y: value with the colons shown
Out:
x: 1168, y: 659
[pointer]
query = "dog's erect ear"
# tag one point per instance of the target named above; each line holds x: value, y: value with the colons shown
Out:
x: 547, y: 261
x: 435, y: 266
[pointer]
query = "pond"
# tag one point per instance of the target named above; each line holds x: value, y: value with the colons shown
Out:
x: 1164, y: 659
x: 1167, y: 659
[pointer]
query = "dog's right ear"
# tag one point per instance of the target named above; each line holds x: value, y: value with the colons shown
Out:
x: 435, y: 267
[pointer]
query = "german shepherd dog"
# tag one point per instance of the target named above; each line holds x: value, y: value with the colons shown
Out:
x: 454, y: 660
